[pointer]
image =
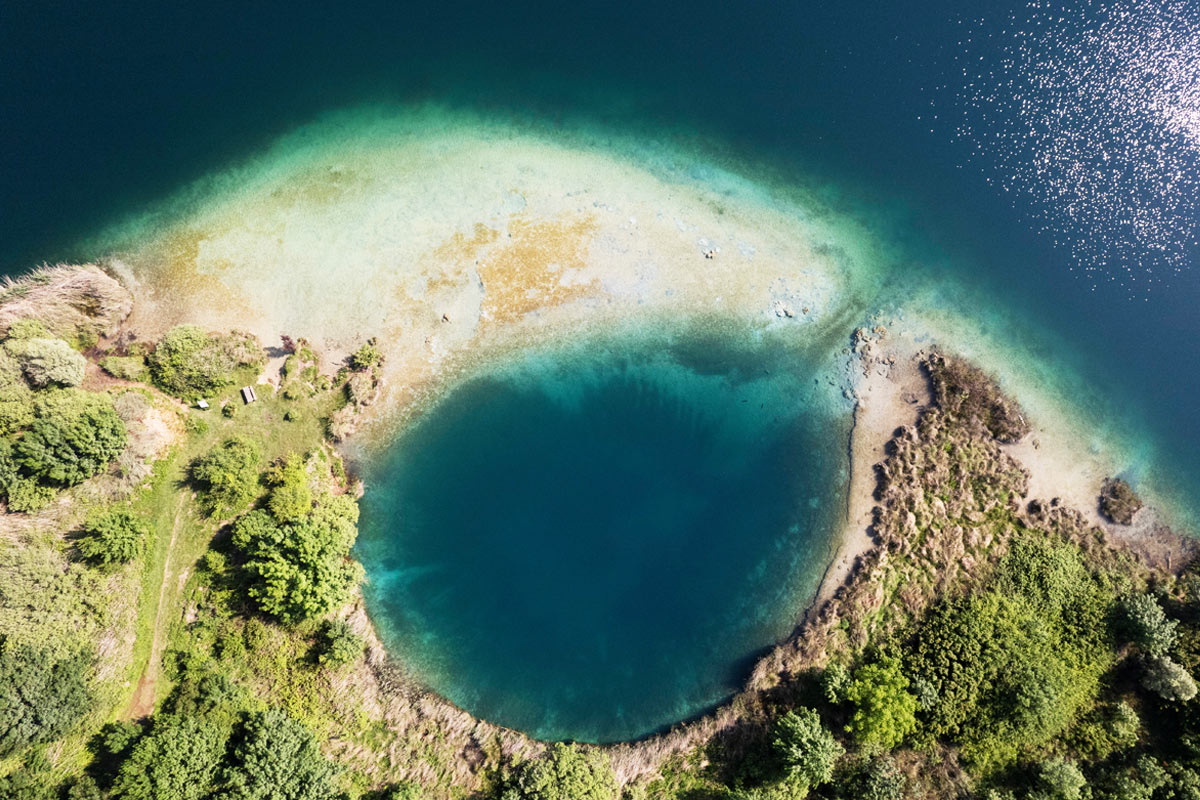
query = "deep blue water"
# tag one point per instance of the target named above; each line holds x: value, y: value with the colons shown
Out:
x: 596, y: 544
x: 104, y: 110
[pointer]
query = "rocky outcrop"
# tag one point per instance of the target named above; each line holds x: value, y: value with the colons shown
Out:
x: 1118, y: 501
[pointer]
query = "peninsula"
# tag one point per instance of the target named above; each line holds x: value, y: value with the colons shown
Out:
x: 181, y: 614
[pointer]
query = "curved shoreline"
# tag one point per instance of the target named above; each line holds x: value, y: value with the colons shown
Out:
x: 541, y: 265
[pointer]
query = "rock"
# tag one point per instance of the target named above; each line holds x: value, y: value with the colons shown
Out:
x: 1118, y: 501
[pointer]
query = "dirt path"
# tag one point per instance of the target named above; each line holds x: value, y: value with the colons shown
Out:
x: 142, y: 703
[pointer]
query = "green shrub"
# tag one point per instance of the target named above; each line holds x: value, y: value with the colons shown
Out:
x: 179, y: 759
x: 874, y: 779
x: 884, y: 711
x: 1146, y: 624
x: 565, y: 771
x: 47, y: 362
x: 807, y: 751
x: 301, y: 570
x: 114, y: 537
x: 27, y: 495
x: 1106, y: 730
x: 11, y: 375
x: 228, y: 476
x: 84, y: 788
x: 190, y: 363
x: 42, y: 696
x: 27, y: 329
x: 195, y: 425
x: 128, y: 368
x: 279, y: 759
x: 405, y: 791
x: 230, y: 410
x: 338, y: 644
x: 1018, y: 664
x: 73, y: 436
x: 1168, y: 679
x: 15, y: 413
x: 1059, y: 780
x: 291, y: 499
x: 365, y: 357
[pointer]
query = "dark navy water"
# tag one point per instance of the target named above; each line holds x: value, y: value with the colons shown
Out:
x: 596, y: 544
x: 105, y: 110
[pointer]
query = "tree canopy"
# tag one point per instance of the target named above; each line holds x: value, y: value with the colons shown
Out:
x: 73, y: 436
x: 113, y: 537
x: 278, y: 759
x: 301, y: 570
x: 42, y: 696
x: 47, y: 362
x: 291, y: 498
x: 884, y: 711
x: 565, y: 771
x: 179, y: 759
x: 807, y: 750
x: 228, y: 476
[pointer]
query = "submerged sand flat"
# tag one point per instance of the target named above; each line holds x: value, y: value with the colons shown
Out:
x: 440, y: 236
x: 452, y: 238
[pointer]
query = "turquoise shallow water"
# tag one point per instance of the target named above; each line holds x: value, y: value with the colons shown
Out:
x: 595, y: 543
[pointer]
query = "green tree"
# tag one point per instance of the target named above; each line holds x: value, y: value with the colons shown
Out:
x: 42, y: 696
x: 178, y: 759
x: 291, y: 498
x: 73, y: 436
x: 301, y: 570
x: 874, y: 779
x: 190, y: 363
x: 1167, y: 679
x: 47, y: 362
x: 807, y: 751
x: 834, y: 681
x: 884, y: 711
x: 1059, y: 780
x: 1147, y: 625
x: 279, y: 759
x: 565, y: 772
x: 405, y: 791
x: 114, y: 537
x: 338, y: 645
x: 228, y: 476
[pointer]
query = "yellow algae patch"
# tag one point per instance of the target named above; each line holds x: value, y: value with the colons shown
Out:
x: 538, y: 265
x: 178, y: 286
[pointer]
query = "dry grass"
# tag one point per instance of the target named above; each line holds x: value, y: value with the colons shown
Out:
x: 72, y: 301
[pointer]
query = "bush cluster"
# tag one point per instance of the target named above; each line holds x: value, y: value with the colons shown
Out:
x: 227, y: 477
x: 190, y: 363
x: 564, y: 771
x: 113, y: 537
x: 300, y: 566
x: 71, y: 436
x: 43, y: 694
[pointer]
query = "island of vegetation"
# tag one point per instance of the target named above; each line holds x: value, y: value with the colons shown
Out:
x: 180, y: 614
